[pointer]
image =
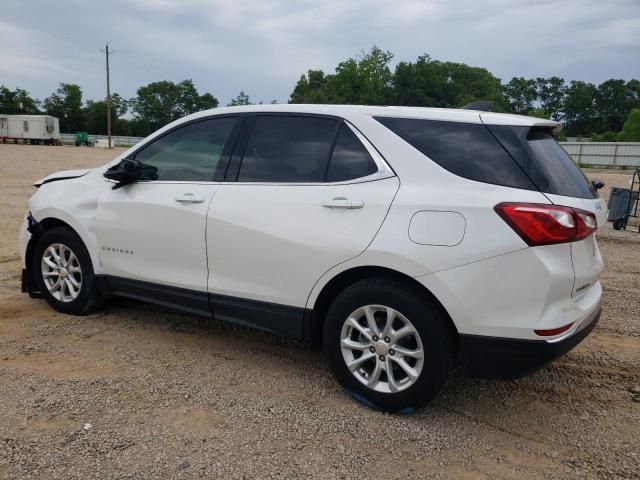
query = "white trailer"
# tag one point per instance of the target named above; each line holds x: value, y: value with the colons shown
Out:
x: 33, y: 129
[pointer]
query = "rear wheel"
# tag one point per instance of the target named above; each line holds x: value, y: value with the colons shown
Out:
x: 63, y: 270
x: 387, y: 344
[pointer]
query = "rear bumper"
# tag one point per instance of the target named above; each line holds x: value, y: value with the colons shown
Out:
x: 495, y: 357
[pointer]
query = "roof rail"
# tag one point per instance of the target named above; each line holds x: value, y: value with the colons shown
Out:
x: 482, y: 105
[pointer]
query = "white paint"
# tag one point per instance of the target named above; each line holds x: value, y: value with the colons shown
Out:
x: 436, y: 228
x: 278, y: 243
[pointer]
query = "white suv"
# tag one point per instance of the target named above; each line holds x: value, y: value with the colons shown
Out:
x: 395, y: 238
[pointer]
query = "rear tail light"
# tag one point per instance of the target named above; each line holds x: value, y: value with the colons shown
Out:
x: 539, y: 224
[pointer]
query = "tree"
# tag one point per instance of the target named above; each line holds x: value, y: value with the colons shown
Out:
x: 95, y: 113
x: 311, y: 88
x: 614, y: 99
x: 431, y: 83
x: 365, y: 80
x: 551, y: 92
x: 159, y: 103
x: 17, y: 101
x: 66, y: 104
x: 631, y: 129
x: 520, y: 95
x: 241, y: 99
x: 580, y: 115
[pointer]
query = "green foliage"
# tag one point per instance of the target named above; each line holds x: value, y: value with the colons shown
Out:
x: 365, y: 80
x: 604, y: 137
x: 17, y: 101
x: 159, y: 103
x: 582, y: 107
x: 520, y: 94
x: 66, y: 104
x: 431, y: 83
x: 96, y: 116
x: 368, y: 80
x: 241, y: 99
x: 551, y: 93
x: 614, y: 99
x: 631, y: 129
x: 580, y: 115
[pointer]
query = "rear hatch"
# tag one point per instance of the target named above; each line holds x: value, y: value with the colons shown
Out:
x: 557, y: 176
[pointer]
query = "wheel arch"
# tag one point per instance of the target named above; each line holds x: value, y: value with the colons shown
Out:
x: 342, y: 280
x: 36, y: 229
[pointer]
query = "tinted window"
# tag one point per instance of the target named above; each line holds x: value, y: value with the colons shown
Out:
x: 288, y: 149
x: 546, y: 163
x: 189, y: 153
x: 350, y: 158
x: 466, y: 149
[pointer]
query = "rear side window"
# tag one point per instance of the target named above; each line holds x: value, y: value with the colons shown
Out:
x: 350, y: 159
x: 466, y: 149
x: 191, y: 152
x: 544, y: 161
x: 288, y: 149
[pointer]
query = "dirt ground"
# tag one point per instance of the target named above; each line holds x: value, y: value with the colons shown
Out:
x: 140, y: 392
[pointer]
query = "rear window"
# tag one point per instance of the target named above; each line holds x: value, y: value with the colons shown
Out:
x: 466, y: 149
x: 544, y: 161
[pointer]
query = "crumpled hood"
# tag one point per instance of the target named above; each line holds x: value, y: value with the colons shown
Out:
x: 62, y: 175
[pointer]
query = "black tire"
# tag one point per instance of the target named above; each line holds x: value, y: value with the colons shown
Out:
x: 618, y: 223
x: 428, y: 319
x: 89, y: 297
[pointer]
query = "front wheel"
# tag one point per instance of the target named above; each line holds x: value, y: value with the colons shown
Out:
x: 63, y: 270
x: 387, y: 344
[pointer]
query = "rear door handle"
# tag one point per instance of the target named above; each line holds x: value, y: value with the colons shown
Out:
x: 189, y: 198
x: 344, y: 203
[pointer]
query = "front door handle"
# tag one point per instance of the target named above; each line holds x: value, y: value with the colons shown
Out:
x: 189, y: 198
x: 344, y: 203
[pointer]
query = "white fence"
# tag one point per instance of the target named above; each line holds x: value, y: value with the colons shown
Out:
x: 598, y: 154
x: 116, y: 140
x: 604, y: 154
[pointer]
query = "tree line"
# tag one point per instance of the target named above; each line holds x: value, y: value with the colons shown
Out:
x: 602, y: 112
x: 584, y: 109
x: 155, y: 105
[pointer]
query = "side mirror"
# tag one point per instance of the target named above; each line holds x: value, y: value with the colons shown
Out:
x: 597, y: 184
x: 130, y: 171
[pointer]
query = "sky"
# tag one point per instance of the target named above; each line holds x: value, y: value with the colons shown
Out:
x: 262, y: 47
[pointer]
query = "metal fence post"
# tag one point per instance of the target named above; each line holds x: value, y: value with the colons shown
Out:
x: 615, y: 155
x: 580, y: 154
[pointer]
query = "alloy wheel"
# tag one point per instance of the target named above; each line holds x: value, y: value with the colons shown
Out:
x: 61, y: 272
x: 382, y: 348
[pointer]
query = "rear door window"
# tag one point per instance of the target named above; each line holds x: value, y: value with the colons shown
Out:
x: 288, y: 149
x: 350, y: 158
x: 465, y: 149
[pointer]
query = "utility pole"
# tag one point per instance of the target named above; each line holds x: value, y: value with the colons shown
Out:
x: 106, y: 54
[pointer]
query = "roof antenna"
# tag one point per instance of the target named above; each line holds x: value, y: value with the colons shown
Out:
x: 481, y: 105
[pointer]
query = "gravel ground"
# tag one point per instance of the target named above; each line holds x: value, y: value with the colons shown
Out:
x: 139, y: 392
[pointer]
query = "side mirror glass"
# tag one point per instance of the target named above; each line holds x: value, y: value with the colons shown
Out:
x: 129, y: 171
